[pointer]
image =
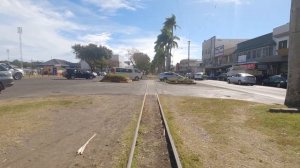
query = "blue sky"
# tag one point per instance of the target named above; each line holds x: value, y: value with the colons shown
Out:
x: 51, y: 27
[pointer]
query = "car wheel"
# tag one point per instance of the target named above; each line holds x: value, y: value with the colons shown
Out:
x: 18, y: 76
x: 239, y: 82
x: 72, y: 77
x: 136, y: 78
x: 228, y: 81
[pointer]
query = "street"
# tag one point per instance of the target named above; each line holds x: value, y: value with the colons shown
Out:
x: 206, y: 88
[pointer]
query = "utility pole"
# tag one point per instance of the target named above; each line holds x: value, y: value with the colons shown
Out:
x: 189, y: 42
x: 292, y: 98
x: 7, y: 51
x: 20, y: 39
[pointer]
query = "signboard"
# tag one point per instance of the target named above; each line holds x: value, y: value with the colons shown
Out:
x: 242, y: 58
x: 219, y: 51
x: 262, y: 67
x: 248, y: 66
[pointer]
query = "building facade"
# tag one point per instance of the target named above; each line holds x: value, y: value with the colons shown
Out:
x: 191, y: 65
x: 266, y: 55
x: 217, y: 53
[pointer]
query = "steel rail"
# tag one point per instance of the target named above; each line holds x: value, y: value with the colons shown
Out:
x: 136, y: 131
x: 169, y: 136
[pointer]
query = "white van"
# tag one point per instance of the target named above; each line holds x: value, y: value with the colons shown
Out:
x: 132, y: 73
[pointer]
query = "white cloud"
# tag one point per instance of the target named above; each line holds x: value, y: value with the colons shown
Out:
x: 41, y: 27
x: 113, y: 5
x: 146, y: 45
x: 68, y: 13
x: 98, y: 39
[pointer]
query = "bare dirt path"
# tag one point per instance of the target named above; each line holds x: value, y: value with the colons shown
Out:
x: 56, y: 143
x: 152, y: 146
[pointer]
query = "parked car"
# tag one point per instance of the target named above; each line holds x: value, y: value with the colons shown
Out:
x: 276, y: 80
x: 169, y: 75
x: 189, y: 75
x: 77, y: 73
x: 222, y: 77
x: 199, y: 76
x: 101, y: 73
x: 6, y: 78
x: 132, y: 73
x: 212, y: 77
x: 242, y: 78
x: 17, y: 73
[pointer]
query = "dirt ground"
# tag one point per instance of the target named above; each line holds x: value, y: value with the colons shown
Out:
x: 151, y: 150
x: 54, y: 134
x: 222, y: 138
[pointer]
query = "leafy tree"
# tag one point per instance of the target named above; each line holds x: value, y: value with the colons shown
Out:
x: 93, y: 55
x: 140, y: 61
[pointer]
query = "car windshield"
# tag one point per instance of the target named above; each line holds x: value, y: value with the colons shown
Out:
x: 149, y: 83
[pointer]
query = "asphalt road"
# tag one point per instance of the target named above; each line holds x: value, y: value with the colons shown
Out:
x: 208, y: 88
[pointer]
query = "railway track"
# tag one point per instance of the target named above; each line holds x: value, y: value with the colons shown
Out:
x: 153, y: 145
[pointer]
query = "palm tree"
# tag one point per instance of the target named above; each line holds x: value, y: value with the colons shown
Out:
x: 292, y: 98
x: 164, y: 43
x: 170, y: 25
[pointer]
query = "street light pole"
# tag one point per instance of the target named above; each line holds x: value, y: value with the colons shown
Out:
x: 20, y: 39
x: 189, y: 42
x: 7, y: 51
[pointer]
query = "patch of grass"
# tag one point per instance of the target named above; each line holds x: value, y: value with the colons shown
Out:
x: 31, y: 106
x: 187, y: 157
x: 126, y: 141
x: 25, y: 116
x: 216, y: 117
x: 283, y: 128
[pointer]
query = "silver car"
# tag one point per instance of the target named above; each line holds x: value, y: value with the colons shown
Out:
x: 6, y: 79
x: 17, y: 73
x: 242, y: 78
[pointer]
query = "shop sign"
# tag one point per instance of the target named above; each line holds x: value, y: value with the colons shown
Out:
x: 242, y: 58
x: 248, y: 66
x: 219, y: 51
x: 262, y: 67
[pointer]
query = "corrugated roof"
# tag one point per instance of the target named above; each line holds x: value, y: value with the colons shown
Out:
x: 258, y: 42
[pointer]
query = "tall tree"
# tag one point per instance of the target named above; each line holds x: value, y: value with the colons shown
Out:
x: 92, y: 54
x: 170, y: 25
x: 166, y: 40
x: 141, y: 61
x: 292, y: 98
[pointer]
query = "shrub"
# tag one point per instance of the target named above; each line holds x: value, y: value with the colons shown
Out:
x: 115, y: 78
x: 180, y: 81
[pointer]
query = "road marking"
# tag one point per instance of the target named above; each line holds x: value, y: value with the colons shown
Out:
x: 81, y: 149
x: 245, y: 91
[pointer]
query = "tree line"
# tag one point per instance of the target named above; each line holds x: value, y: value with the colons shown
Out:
x: 99, y: 57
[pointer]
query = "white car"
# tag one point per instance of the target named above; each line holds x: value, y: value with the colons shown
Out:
x: 199, y: 76
x: 242, y: 78
x: 132, y: 73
